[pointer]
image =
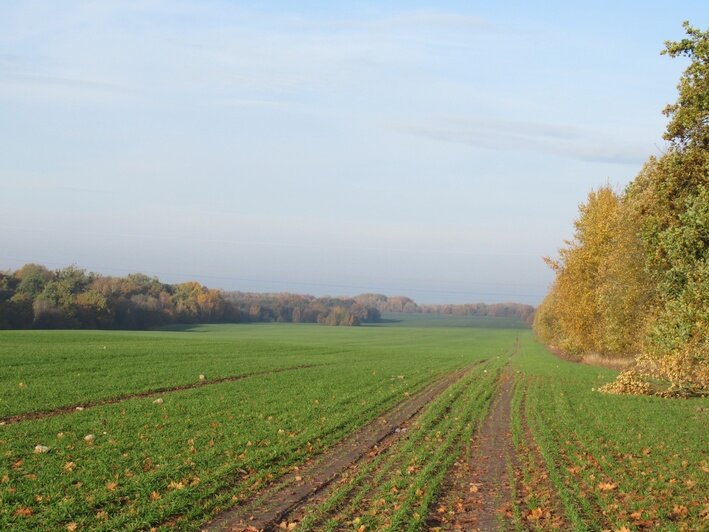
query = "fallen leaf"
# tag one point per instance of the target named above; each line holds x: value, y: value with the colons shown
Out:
x: 680, y: 511
x: 111, y: 486
x: 24, y: 512
x: 72, y: 526
x: 154, y: 496
x: 607, y: 486
x: 535, y: 514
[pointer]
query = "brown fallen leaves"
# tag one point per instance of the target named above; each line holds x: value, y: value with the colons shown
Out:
x: 538, y: 513
x: 607, y: 486
x: 24, y: 511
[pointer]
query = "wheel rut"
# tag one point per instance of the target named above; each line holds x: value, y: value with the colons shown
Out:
x: 77, y: 407
x: 478, y: 494
x: 295, y: 490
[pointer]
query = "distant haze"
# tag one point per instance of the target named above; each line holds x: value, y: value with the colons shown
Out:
x: 432, y: 150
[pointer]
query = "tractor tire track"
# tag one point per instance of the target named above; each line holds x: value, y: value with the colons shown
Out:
x: 77, y: 407
x: 478, y: 488
x: 296, y: 489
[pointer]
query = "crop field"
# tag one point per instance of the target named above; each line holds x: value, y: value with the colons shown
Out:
x: 374, y: 427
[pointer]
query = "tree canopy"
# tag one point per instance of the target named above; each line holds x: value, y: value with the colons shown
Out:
x: 635, y: 278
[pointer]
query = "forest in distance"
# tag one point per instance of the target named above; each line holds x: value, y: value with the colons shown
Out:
x: 34, y: 296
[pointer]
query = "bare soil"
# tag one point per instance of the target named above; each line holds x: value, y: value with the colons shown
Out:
x: 280, y: 501
x: 477, y: 494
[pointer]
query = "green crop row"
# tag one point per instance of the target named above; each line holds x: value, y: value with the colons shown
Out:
x: 198, y: 451
x: 396, y: 489
x: 614, y: 461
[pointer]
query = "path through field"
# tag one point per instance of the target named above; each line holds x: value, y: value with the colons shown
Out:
x: 477, y: 494
x: 276, y: 504
x: 41, y: 414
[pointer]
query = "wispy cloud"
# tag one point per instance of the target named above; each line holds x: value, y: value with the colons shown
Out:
x: 41, y: 79
x: 557, y: 139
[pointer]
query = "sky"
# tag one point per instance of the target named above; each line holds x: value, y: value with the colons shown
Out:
x: 436, y: 150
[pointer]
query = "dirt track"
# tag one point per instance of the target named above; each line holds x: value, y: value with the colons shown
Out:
x: 296, y: 489
x: 17, y: 418
x: 478, y: 490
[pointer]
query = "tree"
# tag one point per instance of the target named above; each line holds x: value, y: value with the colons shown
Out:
x: 689, y: 126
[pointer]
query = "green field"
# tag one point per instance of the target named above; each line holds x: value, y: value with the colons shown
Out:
x: 179, y: 462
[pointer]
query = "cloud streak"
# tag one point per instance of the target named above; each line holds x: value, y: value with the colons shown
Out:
x: 556, y: 139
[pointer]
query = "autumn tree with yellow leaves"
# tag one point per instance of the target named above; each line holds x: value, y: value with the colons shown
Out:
x: 635, y: 278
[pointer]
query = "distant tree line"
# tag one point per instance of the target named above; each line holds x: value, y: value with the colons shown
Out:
x: 36, y: 297
x: 285, y: 307
x: 635, y: 278
x: 404, y: 304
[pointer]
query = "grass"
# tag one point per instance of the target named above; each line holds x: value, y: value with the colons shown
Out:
x: 613, y: 461
x: 591, y: 461
x: 397, y: 488
x: 202, y: 449
x: 417, y: 319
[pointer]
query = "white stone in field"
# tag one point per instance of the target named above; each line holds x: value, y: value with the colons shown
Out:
x: 157, y: 402
x: 79, y: 408
x: 202, y: 377
x: 41, y: 449
x: 89, y: 438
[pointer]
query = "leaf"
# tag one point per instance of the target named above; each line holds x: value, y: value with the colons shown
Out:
x: 474, y: 488
x: 24, y: 512
x: 154, y: 496
x: 535, y: 514
x: 680, y: 511
x: 111, y: 486
x: 72, y: 526
x: 607, y: 486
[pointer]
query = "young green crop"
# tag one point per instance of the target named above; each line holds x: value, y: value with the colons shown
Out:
x: 200, y: 450
x: 395, y: 489
x: 615, y: 461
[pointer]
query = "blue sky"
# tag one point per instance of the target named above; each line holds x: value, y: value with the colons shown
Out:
x: 436, y: 150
